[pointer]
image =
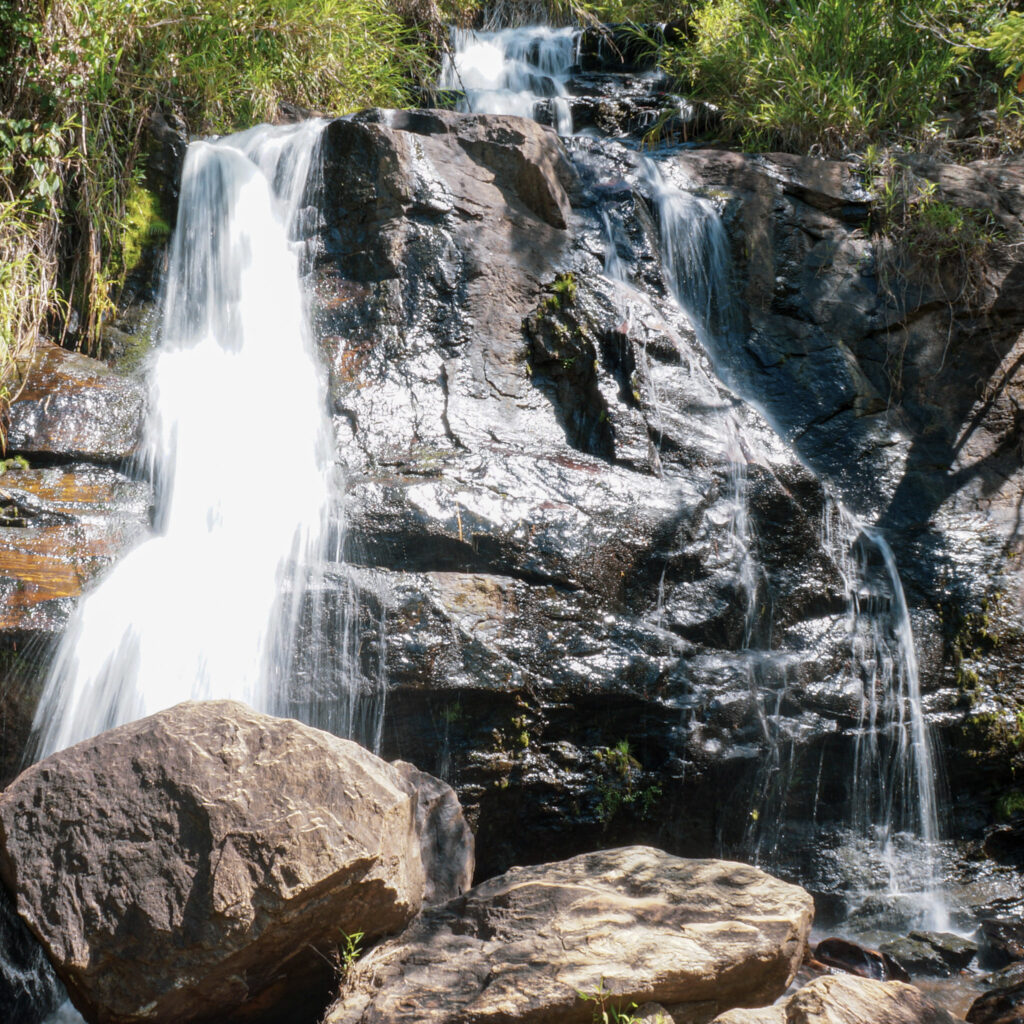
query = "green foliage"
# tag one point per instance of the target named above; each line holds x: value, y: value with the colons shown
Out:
x: 1005, y: 40
x: 1010, y: 805
x: 829, y: 74
x: 78, y: 78
x: 605, y: 1010
x: 348, y: 952
x: 619, y: 785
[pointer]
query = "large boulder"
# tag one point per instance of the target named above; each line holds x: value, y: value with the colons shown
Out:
x: 206, y: 863
x: 845, y: 999
x: 540, y: 944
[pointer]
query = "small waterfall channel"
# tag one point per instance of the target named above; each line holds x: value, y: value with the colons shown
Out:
x: 238, y: 445
x: 887, y: 847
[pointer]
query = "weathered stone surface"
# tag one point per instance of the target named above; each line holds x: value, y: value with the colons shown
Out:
x: 204, y: 864
x: 845, y: 999
x: 1000, y: 942
x: 647, y: 926
x: 957, y: 951
x: 76, y: 408
x: 59, y: 528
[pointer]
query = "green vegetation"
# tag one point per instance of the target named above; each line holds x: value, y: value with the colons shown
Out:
x: 619, y: 786
x: 606, y: 1011
x: 78, y: 80
x: 347, y: 953
x: 836, y: 74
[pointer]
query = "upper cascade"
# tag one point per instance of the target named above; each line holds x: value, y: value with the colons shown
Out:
x: 513, y: 71
x: 207, y: 608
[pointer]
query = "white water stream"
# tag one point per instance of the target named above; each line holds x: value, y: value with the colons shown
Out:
x: 513, y: 71
x: 238, y: 444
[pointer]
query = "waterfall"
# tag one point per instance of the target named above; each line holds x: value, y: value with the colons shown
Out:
x: 894, y: 827
x: 238, y: 445
x: 513, y: 71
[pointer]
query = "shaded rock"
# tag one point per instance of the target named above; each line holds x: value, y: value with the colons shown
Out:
x: 956, y: 951
x: 74, y: 407
x: 844, y: 999
x: 446, y: 842
x: 1000, y: 942
x: 29, y: 989
x: 1008, y: 977
x: 642, y: 924
x: 1001, y: 1006
x: 866, y: 963
x: 917, y: 957
x: 1005, y: 843
x: 236, y: 850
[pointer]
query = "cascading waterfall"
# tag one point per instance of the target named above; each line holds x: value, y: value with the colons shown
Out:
x: 238, y: 443
x: 513, y: 71
x: 892, y: 846
x: 894, y: 827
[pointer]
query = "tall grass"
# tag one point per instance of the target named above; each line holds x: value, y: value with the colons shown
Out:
x: 830, y: 74
x: 78, y: 79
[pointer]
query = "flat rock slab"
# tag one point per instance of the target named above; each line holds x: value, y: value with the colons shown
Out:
x: 528, y: 945
x: 77, y: 408
x: 846, y: 999
x: 206, y: 863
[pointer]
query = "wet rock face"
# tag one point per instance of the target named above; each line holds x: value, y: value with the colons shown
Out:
x: 29, y: 990
x: 697, y: 936
x: 60, y: 527
x: 73, y: 407
x: 542, y: 482
x: 235, y: 849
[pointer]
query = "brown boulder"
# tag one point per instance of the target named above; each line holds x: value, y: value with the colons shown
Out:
x: 206, y: 863
x: 635, y: 923
x: 846, y: 999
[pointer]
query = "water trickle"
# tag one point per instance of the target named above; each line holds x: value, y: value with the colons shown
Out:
x: 238, y: 446
x: 894, y: 826
x: 519, y: 71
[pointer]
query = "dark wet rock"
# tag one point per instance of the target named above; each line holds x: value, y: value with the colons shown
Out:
x: 528, y: 945
x: 1005, y: 843
x: 1000, y: 942
x: 73, y: 407
x: 853, y: 959
x: 917, y: 958
x: 235, y: 849
x: 1008, y: 977
x: 166, y: 142
x: 958, y: 952
x: 1002, y: 1006
x: 29, y: 989
x: 844, y: 999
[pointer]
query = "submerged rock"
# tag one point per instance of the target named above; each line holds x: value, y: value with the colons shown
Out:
x: 628, y: 926
x: 207, y: 863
